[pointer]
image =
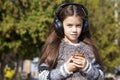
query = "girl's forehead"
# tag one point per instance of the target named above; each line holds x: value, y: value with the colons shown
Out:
x: 73, y: 17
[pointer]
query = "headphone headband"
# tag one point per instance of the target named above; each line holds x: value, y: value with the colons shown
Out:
x: 66, y: 4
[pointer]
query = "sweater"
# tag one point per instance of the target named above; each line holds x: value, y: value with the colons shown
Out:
x: 92, y: 71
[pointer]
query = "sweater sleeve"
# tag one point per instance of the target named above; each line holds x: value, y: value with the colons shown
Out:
x: 58, y: 73
x: 93, y: 71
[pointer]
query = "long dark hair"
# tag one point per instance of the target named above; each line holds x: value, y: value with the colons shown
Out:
x: 50, y: 49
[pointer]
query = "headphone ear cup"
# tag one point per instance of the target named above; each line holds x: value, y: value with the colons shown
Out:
x: 58, y: 26
x: 85, y: 25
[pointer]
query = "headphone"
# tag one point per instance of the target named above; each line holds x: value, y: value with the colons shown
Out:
x: 58, y: 25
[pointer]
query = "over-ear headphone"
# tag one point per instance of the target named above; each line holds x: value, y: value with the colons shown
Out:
x: 58, y: 25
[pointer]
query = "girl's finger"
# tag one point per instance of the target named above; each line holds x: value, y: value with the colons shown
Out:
x: 79, y: 65
x: 70, y: 59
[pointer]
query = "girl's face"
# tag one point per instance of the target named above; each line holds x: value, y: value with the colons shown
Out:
x: 72, y: 28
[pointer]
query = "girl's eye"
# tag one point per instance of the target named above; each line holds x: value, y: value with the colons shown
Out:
x: 69, y: 25
x: 78, y: 26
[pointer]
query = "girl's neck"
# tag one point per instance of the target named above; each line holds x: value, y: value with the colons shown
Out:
x: 70, y: 42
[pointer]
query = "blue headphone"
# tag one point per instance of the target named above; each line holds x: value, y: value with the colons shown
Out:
x: 58, y: 26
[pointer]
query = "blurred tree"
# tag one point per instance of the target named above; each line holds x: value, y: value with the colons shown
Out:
x: 105, y: 31
x: 24, y: 25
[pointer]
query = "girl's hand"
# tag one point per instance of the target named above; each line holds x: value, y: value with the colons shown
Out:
x: 79, y: 60
x: 70, y: 65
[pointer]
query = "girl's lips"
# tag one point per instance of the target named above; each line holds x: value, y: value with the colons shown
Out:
x: 74, y: 35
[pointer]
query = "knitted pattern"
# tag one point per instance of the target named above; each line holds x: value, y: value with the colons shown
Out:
x: 67, y: 50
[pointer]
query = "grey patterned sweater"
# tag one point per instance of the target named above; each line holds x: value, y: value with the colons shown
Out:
x: 92, y: 71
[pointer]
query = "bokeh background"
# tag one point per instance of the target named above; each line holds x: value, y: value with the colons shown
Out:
x: 24, y: 25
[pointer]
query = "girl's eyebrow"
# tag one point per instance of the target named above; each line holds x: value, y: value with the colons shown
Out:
x: 79, y: 24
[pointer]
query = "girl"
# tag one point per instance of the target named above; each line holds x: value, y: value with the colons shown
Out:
x: 69, y: 52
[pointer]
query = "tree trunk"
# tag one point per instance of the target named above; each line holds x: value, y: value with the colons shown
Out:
x: 2, y: 66
x: 17, y: 75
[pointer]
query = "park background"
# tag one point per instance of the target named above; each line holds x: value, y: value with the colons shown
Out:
x: 24, y: 25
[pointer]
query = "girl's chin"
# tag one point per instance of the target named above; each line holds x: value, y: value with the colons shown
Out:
x: 74, y: 40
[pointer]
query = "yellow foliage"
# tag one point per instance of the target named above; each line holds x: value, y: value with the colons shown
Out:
x: 9, y: 73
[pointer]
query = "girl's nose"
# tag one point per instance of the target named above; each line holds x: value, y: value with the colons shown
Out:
x: 74, y: 29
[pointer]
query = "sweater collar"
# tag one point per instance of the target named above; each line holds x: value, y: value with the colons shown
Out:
x: 73, y: 44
